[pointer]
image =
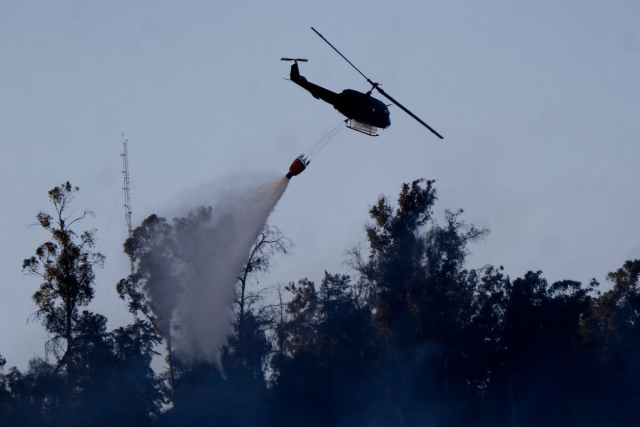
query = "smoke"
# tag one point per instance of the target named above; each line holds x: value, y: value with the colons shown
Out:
x: 214, y: 244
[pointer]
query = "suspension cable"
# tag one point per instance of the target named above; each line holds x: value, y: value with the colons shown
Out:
x: 318, y: 146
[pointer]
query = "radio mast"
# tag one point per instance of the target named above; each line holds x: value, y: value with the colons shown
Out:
x: 127, y: 189
x: 127, y: 203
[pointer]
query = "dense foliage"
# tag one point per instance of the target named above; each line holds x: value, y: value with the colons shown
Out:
x: 412, y: 338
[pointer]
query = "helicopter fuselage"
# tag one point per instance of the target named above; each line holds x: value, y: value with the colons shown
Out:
x: 352, y: 104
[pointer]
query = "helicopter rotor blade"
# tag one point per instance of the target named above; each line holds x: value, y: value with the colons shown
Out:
x: 343, y: 57
x: 386, y: 95
x: 294, y: 59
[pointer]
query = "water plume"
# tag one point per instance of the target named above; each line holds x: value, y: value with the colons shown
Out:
x: 215, y: 244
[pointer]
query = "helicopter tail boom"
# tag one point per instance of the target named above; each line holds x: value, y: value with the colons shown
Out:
x: 318, y: 92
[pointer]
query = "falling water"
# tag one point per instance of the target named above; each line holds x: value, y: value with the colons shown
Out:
x: 216, y: 256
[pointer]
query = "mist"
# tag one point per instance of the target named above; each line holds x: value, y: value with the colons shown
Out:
x: 212, y: 256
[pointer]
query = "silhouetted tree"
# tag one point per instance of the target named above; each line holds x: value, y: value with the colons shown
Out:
x: 269, y: 242
x: 413, y: 338
x: 34, y: 398
x: 330, y: 345
x: 140, y: 402
x: 423, y: 302
x: 155, y: 285
x: 65, y: 265
x: 613, y: 331
x: 250, y: 345
x: 96, y: 385
x: 5, y: 394
x: 531, y: 354
x: 415, y: 270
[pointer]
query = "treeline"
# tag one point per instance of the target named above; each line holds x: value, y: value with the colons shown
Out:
x: 412, y: 338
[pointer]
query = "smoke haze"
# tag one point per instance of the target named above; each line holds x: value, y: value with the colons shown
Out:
x: 215, y: 251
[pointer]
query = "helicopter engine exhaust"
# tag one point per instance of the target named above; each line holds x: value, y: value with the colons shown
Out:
x: 298, y: 165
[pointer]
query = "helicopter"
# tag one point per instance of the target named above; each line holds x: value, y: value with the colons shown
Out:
x: 364, y: 113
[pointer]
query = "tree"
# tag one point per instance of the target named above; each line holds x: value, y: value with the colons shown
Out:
x: 532, y: 352
x: 330, y: 343
x: 612, y: 331
x: 618, y: 314
x: 249, y: 345
x: 422, y: 300
x: 154, y: 287
x: 269, y: 242
x: 140, y: 402
x: 65, y: 265
x: 5, y: 394
x: 414, y: 270
x: 279, y: 335
x: 32, y: 398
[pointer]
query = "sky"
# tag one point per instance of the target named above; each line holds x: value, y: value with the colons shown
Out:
x: 538, y: 103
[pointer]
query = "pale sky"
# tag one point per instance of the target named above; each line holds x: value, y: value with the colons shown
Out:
x: 538, y: 103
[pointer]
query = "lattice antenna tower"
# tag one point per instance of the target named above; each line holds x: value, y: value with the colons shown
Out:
x: 126, y: 186
x: 127, y: 200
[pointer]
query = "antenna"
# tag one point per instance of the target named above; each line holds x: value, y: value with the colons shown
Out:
x: 127, y: 202
x: 127, y: 188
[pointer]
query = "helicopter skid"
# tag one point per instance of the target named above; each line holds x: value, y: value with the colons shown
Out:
x: 362, y: 127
